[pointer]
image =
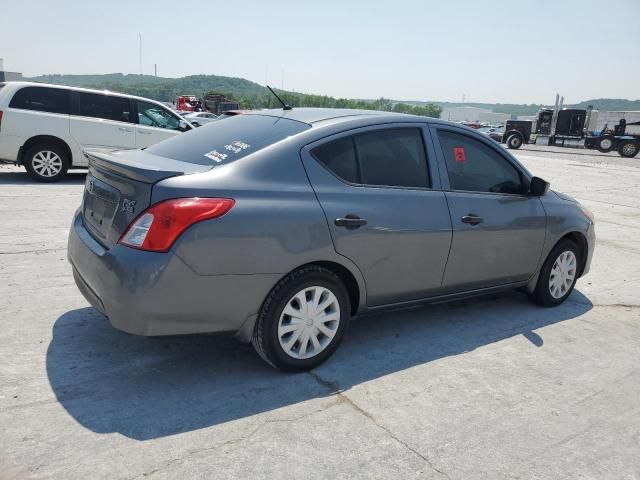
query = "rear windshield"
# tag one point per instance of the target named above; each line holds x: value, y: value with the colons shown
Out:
x: 223, y: 142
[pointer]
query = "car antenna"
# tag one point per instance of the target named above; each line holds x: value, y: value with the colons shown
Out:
x: 284, y: 105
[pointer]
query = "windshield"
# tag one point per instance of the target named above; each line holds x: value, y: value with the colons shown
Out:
x: 224, y: 142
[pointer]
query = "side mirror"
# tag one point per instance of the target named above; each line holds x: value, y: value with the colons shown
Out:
x: 195, y: 124
x: 538, y: 186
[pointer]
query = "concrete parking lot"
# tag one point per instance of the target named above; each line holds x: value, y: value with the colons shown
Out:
x: 490, y: 388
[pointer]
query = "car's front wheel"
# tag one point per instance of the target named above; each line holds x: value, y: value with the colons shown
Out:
x: 558, y: 275
x: 302, y: 320
x: 46, y: 162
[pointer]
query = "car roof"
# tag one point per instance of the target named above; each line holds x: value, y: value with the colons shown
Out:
x: 79, y: 89
x: 313, y: 116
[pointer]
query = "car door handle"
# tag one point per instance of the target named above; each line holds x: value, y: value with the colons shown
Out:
x: 350, y: 221
x: 144, y: 132
x: 125, y: 129
x: 471, y: 219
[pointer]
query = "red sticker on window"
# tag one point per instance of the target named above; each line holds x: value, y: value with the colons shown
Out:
x: 458, y: 154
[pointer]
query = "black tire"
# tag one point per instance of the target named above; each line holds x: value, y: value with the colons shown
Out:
x: 606, y: 143
x: 514, y: 141
x: 36, y: 154
x: 265, y: 335
x: 628, y: 148
x: 542, y: 294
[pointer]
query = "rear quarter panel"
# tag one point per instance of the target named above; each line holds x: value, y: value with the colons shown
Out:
x: 18, y: 126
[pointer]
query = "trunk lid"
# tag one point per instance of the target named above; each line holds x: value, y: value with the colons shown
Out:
x: 118, y: 188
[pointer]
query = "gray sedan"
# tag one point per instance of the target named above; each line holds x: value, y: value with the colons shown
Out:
x: 281, y: 225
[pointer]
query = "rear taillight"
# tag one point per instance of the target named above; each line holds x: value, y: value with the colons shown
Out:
x: 0, y: 118
x: 161, y: 224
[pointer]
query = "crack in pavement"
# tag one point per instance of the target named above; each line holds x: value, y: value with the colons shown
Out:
x: 248, y: 436
x: 41, y: 250
x: 616, y: 305
x: 334, y: 389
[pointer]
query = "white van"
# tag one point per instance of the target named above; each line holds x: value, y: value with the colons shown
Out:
x: 46, y: 127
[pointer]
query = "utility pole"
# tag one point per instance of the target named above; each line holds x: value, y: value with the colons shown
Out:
x: 155, y: 69
x: 140, y: 43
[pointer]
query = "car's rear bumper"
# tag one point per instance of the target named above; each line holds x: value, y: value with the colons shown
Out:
x: 10, y: 147
x: 148, y: 293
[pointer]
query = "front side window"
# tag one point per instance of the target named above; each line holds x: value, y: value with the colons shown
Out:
x: 153, y: 115
x: 42, y: 99
x: 474, y: 166
x: 394, y: 157
x: 106, y: 107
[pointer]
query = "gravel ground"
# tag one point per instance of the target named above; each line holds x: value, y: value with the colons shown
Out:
x: 487, y: 388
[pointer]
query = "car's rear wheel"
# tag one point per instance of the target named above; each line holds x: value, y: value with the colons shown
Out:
x: 302, y: 320
x: 558, y: 275
x: 46, y: 162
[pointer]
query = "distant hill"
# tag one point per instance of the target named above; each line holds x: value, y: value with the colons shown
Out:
x: 159, y: 88
x: 248, y: 94
x: 608, y: 104
x: 253, y: 95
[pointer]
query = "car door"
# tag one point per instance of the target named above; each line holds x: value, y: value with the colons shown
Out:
x: 154, y: 124
x: 384, y: 208
x: 498, y: 227
x: 101, y: 120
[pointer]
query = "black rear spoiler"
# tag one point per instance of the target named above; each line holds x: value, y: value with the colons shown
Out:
x: 140, y: 165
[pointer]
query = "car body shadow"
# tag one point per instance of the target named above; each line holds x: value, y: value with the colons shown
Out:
x: 18, y: 176
x: 147, y: 388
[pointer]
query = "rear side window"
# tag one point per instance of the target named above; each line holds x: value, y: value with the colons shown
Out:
x: 339, y: 156
x: 394, y: 157
x: 42, y: 99
x: 473, y: 166
x: 107, y: 107
x: 224, y: 142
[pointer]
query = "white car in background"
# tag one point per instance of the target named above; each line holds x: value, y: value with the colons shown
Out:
x: 46, y: 127
x: 201, y: 118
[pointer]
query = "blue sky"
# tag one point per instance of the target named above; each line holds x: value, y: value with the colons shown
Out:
x: 418, y: 50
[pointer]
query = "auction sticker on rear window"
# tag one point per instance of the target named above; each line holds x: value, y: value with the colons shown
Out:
x: 236, y: 146
x: 216, y: 156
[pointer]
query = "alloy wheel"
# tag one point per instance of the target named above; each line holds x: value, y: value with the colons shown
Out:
x: 47, y: 163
